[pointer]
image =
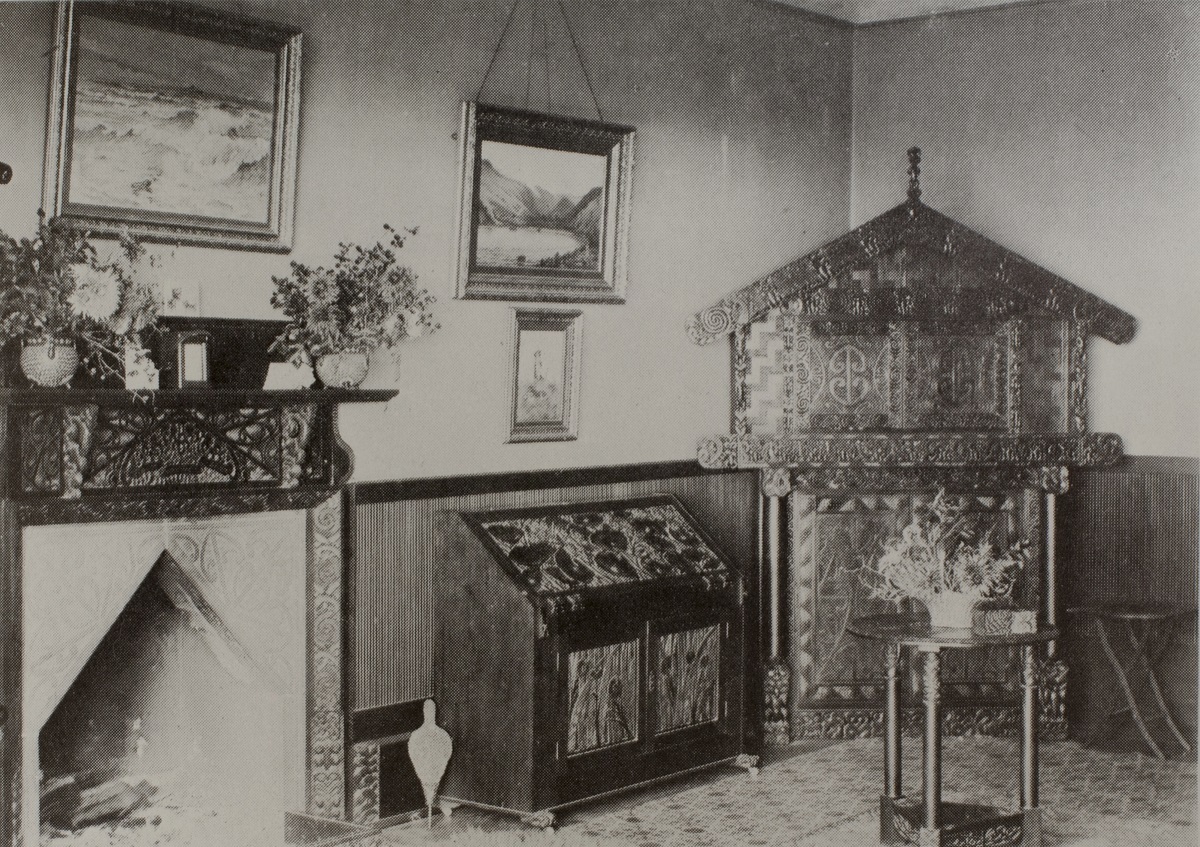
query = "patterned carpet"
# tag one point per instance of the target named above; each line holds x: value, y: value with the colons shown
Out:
x: 829, y: 797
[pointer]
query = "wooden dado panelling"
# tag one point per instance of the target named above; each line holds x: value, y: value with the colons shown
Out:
x: 1129, y: 533
x: 393, y: 525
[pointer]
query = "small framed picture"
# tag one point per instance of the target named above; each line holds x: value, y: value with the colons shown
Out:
x: 187, y: 359
x: 544, y: 207
x: 545, y: 375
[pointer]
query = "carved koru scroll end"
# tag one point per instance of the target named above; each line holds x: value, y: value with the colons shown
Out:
x: 777, y: 678
x: 1051, y: 676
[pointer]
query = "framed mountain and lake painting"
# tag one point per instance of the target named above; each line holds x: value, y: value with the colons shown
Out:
x: 544, y: 208
x: 176, y: 122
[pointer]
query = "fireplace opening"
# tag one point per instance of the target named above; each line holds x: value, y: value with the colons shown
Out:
x: 171, y: 734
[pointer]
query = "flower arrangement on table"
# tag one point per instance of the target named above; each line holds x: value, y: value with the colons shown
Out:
x: 340, y: 314
x: 65, y: 303
x: 938, y: 560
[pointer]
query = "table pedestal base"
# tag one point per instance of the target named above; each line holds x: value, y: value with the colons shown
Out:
x: 963, y: 825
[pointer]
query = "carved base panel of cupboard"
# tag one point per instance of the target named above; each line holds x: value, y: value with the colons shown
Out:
x: 837, y: 678
x: 632, y: 674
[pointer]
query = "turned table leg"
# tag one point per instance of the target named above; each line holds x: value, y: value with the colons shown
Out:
x: 892, y: 792
x: 931, y: 758
x: 1031, y: 827
x: 891, y: 726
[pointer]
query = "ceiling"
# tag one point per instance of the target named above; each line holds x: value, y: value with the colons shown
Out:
x: 871, y: 11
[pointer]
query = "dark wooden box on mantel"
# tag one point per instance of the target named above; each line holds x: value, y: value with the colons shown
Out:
x: 584, y: 649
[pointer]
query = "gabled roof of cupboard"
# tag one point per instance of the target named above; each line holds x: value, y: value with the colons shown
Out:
x: 998, y: 282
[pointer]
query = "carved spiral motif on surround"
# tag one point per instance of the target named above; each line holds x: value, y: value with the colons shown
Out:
x: 713, y: 322
x: 716, y: 452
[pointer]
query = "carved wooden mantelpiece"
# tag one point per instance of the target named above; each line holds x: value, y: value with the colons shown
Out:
x: 86, y: 455
x: 82, y: 456
x: 909, y: 355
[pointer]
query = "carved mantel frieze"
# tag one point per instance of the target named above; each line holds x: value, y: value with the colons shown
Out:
x: 105, y: 454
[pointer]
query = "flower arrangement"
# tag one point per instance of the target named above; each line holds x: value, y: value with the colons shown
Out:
x: 365, y: 301
x: 937, y: 554
x: 57, y: 288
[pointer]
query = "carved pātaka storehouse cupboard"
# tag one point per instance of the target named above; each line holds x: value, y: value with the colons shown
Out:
x: 908, y: 355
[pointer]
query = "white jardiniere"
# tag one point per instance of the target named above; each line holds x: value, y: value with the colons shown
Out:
x: 951, y: 609
x: 49, y: 362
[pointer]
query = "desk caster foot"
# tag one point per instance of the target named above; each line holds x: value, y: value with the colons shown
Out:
x: 543, y: 820
x: 749, y: 762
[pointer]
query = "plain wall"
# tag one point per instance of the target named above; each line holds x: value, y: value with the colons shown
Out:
x: 1069, y: 132
x: 742, y: 163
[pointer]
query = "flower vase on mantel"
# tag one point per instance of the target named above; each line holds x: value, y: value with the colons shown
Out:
x: 347, y: 369
x: 337, y: 315
x: 49, y: 362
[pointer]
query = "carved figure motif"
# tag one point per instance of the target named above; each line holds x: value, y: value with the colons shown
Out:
x: 776, y: 682
x: 1051, y: 675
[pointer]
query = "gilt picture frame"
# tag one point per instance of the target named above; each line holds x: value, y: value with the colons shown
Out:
x: 544, y: 383
x: 174, y: 122
x: 543, y: 207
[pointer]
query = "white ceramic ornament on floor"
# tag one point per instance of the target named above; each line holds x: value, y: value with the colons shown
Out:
x: 429, y: 749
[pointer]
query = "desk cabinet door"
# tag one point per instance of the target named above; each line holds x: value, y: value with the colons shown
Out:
x: 686, y: 673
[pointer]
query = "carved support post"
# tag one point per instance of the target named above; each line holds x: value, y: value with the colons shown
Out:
x: 14, y: 828
x: 776, y: 485
x: 326, y: 728
x: 1052, y: 671
x: 1051, y: 581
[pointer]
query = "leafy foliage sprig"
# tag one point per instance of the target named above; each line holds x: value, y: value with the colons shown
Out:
x: 938, y: 552
x: 57, y: 285
x: 366, y: 300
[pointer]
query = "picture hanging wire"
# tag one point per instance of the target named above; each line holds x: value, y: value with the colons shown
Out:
x: 530, y: 63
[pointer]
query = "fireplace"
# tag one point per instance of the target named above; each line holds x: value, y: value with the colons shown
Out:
x: 172, y: 616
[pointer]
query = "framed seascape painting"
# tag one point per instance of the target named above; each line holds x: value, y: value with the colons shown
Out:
x: 175, y: 122
x: 544, y: 392
x: 544, y: 207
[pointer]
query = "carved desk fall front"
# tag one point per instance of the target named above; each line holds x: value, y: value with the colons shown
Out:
x: 907, y: 356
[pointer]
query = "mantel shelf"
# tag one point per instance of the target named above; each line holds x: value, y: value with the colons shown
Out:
x: 97, y: 454
x: 197, y: 397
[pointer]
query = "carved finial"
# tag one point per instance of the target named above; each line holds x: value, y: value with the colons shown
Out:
x: 914, y: 174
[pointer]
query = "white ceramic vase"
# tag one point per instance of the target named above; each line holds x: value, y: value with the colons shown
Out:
x: 343, y: 370
x: 49, y: 362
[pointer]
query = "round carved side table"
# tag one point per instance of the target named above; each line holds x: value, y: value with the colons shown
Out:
x: 931, y: 823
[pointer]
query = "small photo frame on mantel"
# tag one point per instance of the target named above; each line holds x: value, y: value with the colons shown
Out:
x: 544, y: 207
x: 544, y: 384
